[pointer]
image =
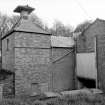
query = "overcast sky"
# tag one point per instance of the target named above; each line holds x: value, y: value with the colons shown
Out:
x: 68, y: 12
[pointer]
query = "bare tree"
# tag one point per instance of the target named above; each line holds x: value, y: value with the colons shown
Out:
x: 83, y: 26
x: 6, y: 23
x: 35, y: 19
x: 4, y: 26
x: 59, y: 29
x: 14, y: 19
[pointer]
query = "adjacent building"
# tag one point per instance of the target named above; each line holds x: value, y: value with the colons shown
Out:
x: 90, y: 56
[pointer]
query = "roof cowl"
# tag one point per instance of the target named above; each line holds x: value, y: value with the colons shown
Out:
x: 24, y: 11
x: 25, y: 23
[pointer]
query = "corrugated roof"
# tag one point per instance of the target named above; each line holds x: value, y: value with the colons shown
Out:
x: 59, y: 41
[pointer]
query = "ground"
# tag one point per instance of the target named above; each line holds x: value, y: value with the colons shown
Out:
x: 80, y: 99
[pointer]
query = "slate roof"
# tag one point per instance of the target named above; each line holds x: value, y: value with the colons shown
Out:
x: 97, y: 21
x: 85, y: 40
x: 27, y: 25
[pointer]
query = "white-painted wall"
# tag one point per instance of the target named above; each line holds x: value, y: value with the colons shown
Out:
x: 86, y: 65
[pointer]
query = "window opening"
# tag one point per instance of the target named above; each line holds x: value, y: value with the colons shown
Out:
x: 7, y: 44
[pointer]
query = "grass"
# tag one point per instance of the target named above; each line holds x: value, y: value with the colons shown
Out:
x: 80, y: 99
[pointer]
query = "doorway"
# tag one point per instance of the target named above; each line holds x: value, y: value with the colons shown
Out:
x: 86, y: 82
x: 86, y: 70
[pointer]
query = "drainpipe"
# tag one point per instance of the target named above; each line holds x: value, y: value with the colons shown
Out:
x: 96, y: 58
x: 75, y: 36
x: 1, y: 50
x: 75, y: 63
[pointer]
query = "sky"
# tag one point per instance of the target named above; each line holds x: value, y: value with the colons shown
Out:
x: 69, y: 12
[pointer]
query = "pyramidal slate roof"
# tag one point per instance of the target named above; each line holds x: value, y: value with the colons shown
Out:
x: 26, y: 25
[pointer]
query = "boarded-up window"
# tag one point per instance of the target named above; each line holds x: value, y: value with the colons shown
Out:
x: 7, y: 44
x: 1, y: 90
x: 39, y: 87
x: 35, y: 87
x: 44, y: 87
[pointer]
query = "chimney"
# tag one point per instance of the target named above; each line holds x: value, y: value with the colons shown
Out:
x: 24, y: 11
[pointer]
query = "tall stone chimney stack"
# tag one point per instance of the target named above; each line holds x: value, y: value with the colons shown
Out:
x: 24, y: 11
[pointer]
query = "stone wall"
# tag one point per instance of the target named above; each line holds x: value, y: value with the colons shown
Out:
x: 8, y: 53
x: 32, y: 40
x: 8, y: 87
x: 32, y: 60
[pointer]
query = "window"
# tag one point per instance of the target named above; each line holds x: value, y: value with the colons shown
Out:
x: 7, y: 44
x: 39, y: 87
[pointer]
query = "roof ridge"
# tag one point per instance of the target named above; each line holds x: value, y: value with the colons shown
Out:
x: 88, y: 26
x: 39, y: 26
x: 100, y: 19
x: 97, y: 19
x: 18, y: 21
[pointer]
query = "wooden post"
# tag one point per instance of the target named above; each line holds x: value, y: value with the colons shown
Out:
x: 1, y: 91
x: 75, y: 64
x: 96, y: 59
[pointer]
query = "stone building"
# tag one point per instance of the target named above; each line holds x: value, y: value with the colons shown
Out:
x: 38, y: 62
x: 91, y: 46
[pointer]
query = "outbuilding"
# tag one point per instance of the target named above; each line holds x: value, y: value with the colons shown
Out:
x: 39, y: 61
